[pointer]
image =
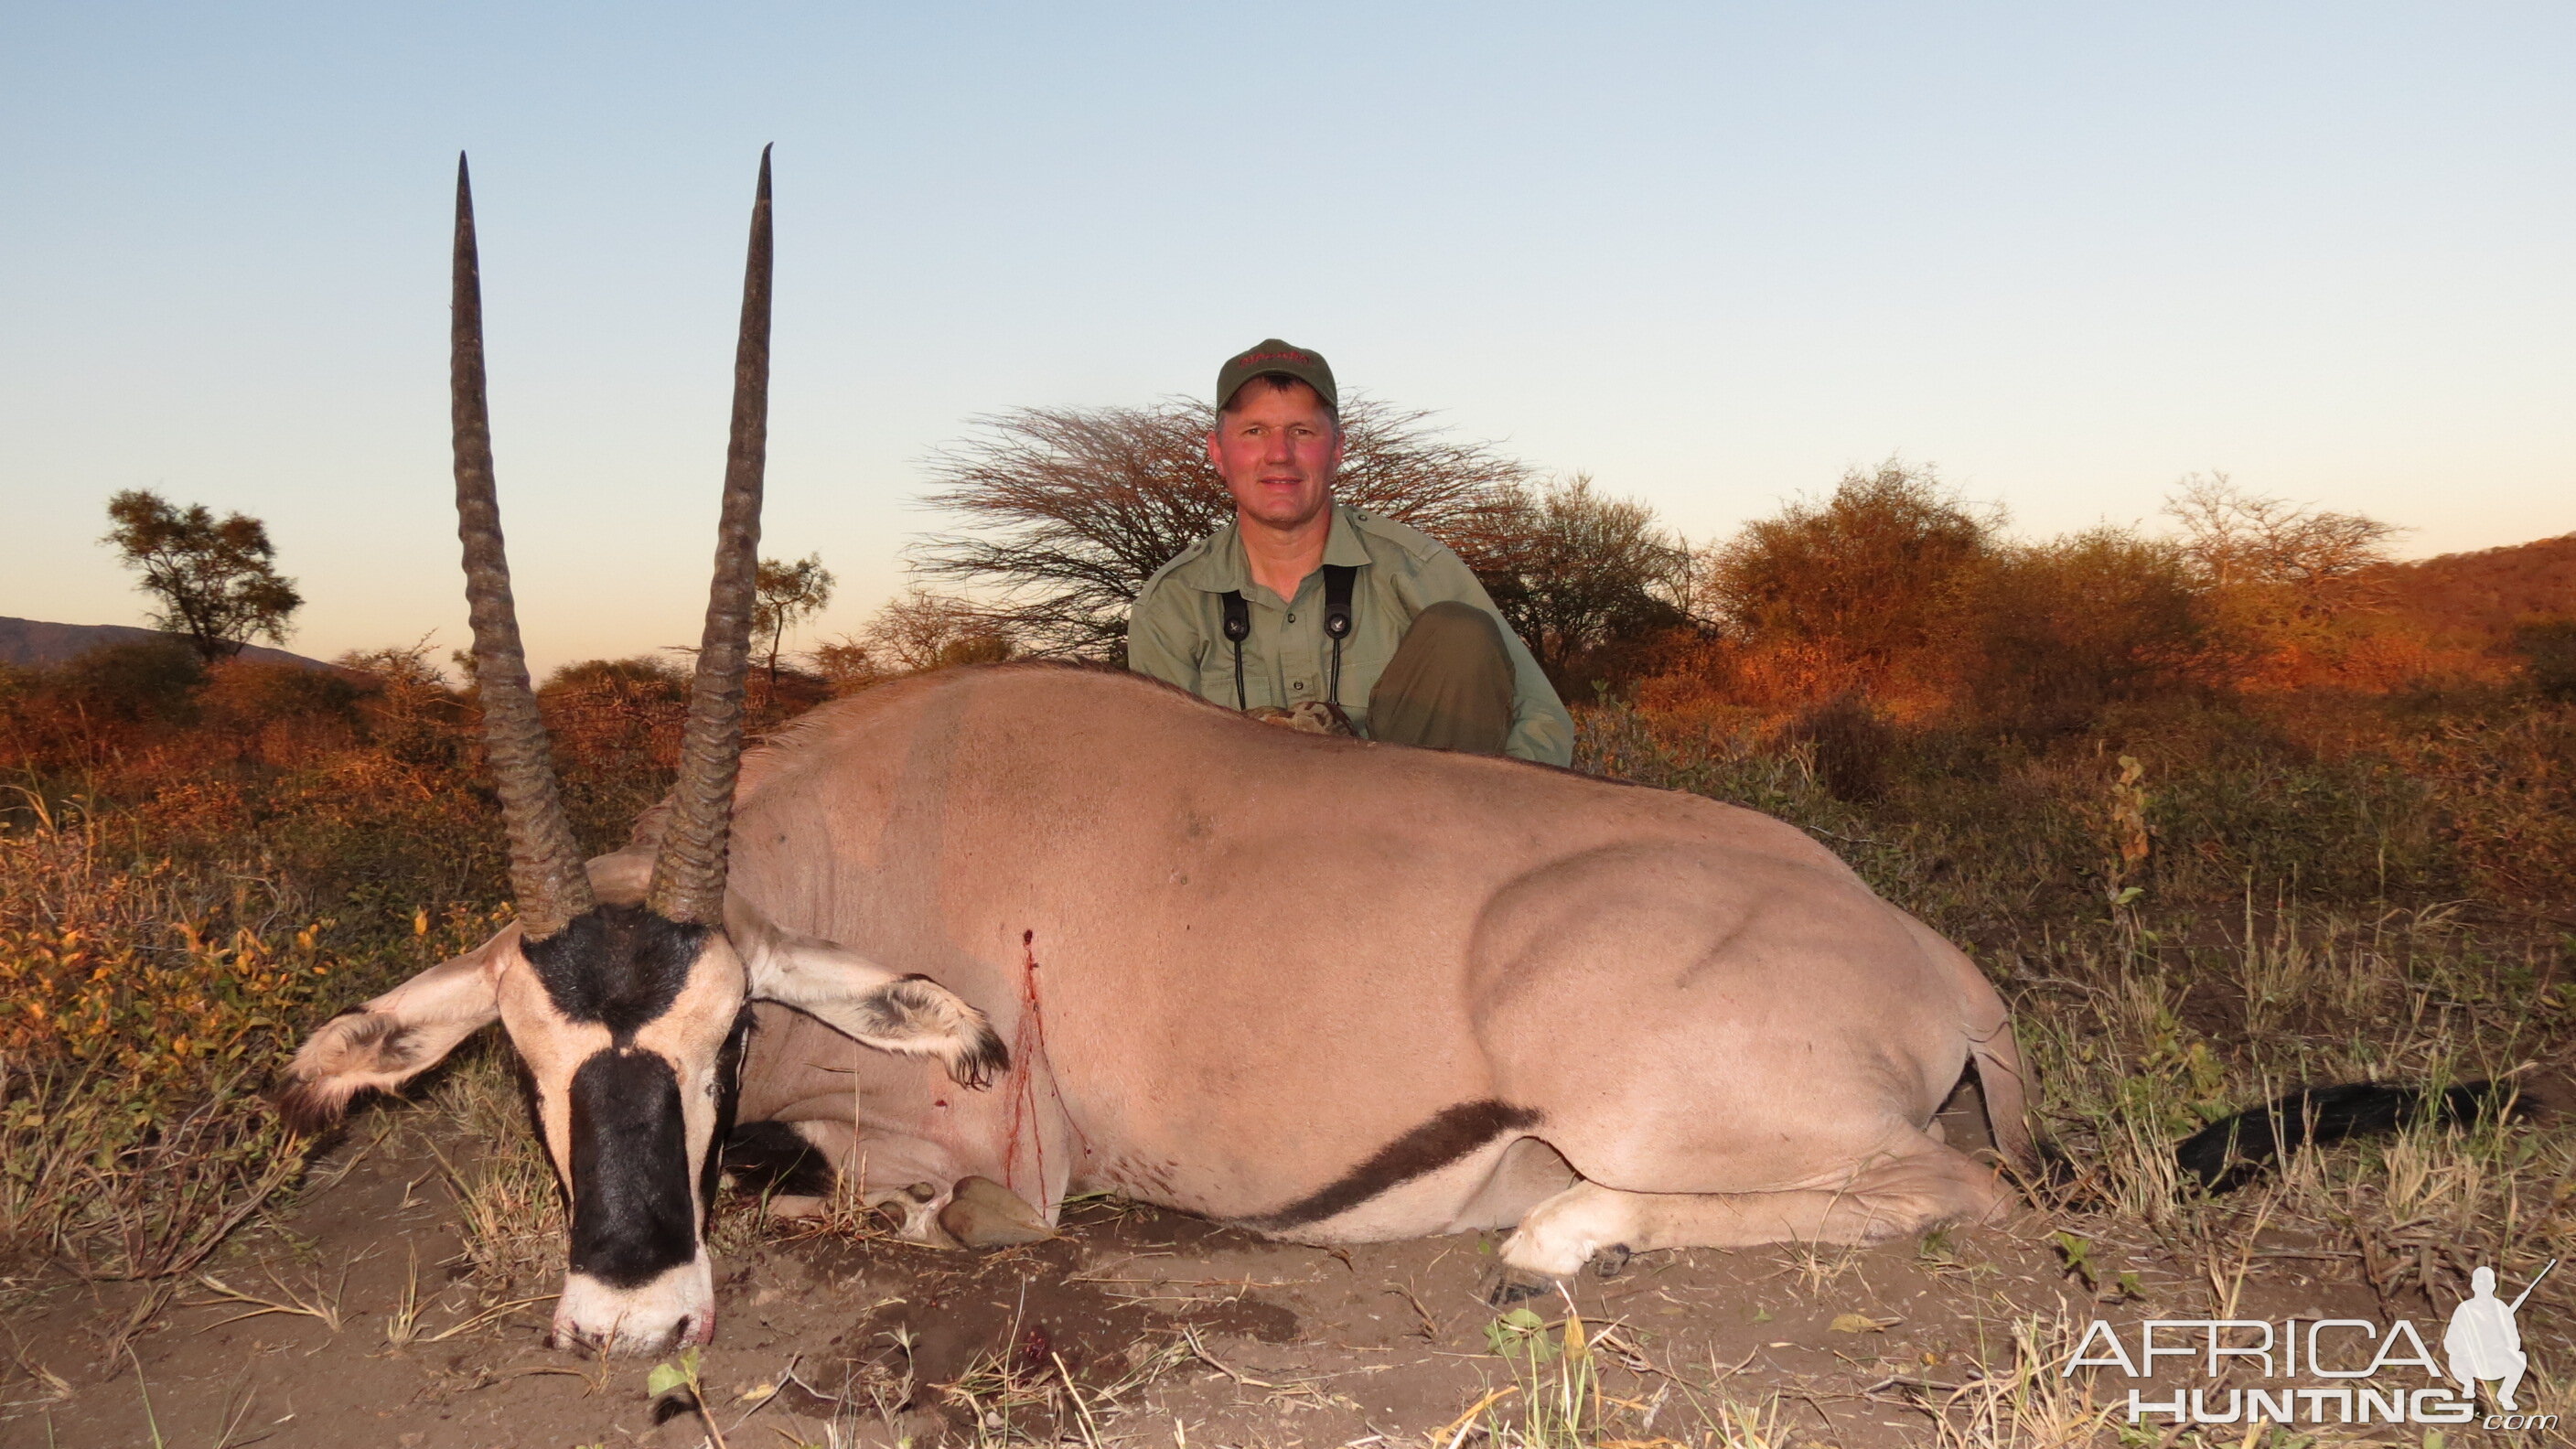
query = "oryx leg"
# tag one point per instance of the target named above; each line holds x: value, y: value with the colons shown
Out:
x: 1886, y: 1199
x: 917, y: 1180
x: 909, y: 1176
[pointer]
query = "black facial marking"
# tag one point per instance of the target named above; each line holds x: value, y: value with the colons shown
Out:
x: 535, y: 1103
x: 728, y: 1096
x: 1454, y: 1133
x: 620, y: 966
x: 632, y: 1219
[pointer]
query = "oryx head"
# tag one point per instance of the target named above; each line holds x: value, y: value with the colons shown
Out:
x: 625, y: 989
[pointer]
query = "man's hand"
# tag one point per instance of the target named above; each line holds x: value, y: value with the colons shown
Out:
x: 1314, y: 717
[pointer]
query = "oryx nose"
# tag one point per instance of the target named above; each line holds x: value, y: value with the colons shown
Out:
x: 633, y: 1339
x: 674, y: 1310
x: 619, y: 1339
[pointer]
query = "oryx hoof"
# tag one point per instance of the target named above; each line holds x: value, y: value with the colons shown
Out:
x: 1611, y: 1261
x: 910, y: 1213
x: 1507, y: 1285
x: 985, y: 1214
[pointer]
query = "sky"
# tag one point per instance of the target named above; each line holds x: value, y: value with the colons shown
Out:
x: 1712, y: 254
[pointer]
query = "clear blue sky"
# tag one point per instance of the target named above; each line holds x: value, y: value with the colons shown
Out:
x: 1713, y: 254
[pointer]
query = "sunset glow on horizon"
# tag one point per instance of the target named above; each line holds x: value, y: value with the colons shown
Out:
x: 1711, y: 256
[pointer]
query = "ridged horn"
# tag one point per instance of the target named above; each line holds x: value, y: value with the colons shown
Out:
x: 545, y: 861
x: 689, y: 873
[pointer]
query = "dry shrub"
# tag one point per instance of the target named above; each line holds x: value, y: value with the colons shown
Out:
x: 249, y: 693
x: 1852, y: 746
x: 188, y: 885
x: 140, y: 1004
x: 1878, y: 577
x: 629, y: 709
x: 1780, y: 678
x: 616, y: 731
x: 1895, y: 591
x: 1591, y: 583
x: 921, y: 630
x: 153, y: 681
x: 847, y: 665
x: 2548, y: 648
x: 2065, y: 629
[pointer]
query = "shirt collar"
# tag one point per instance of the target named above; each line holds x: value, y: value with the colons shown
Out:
x: 1220, y: 567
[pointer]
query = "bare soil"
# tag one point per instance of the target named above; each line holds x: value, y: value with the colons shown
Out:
x: 1168, y: 1329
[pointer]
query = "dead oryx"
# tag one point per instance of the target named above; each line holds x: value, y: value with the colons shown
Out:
x: 1325, y: 989
x: 1604, y: 1016
x: 625, y: 986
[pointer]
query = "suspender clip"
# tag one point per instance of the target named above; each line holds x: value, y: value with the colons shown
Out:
x: 1338, y: 580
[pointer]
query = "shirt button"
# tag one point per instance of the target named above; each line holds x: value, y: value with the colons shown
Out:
x: 1299, y: 686
x: 1292, y: 618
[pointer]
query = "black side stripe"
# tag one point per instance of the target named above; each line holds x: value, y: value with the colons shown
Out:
x: 1451, y: 1135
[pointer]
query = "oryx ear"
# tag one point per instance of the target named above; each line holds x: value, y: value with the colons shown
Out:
x: 395, y: 1037
x: 911, y: 1015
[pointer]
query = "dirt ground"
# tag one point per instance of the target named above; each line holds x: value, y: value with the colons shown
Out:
x: 1135, y: 1326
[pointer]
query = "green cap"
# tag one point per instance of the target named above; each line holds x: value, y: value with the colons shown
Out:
x: 1273, y: 355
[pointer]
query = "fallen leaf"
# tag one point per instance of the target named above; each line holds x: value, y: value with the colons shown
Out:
x: 1861, y: 1323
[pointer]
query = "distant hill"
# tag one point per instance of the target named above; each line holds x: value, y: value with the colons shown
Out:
x: 27, y: 643
x: 2484, y: 594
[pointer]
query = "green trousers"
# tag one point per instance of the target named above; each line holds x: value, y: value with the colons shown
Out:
x: 1449, y: 686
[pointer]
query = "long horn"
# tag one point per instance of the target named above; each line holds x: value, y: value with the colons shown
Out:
x: 689, y: 874
x: 545, y: 861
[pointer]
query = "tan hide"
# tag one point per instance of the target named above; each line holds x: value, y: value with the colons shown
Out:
x: 1323, y: 986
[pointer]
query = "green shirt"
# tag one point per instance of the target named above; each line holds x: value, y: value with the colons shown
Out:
x: 1177, y: 633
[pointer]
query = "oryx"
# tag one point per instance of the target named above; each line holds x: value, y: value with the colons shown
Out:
x: 625, y: 988
x: 1326, y: 989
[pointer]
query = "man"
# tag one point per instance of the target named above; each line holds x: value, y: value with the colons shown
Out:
x: 1303, y: 604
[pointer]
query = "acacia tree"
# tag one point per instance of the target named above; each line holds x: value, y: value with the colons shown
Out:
x: 785, y: 594
x: 1065, y: 512
x: 2237, y: 540
x: 213, y: 576
x: 2286, y: 584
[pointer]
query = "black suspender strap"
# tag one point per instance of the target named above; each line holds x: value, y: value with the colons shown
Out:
x: 1337, y: 615
x: 1337, y: 625
x: 1238, y: 627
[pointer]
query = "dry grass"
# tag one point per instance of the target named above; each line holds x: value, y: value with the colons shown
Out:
x: 508, y: 1207
x: 2193, y: 907
x: 139, y: 1008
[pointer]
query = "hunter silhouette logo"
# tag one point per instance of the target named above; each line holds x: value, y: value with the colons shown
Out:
x: 2482, y: 1342
x: 2326, y: 1370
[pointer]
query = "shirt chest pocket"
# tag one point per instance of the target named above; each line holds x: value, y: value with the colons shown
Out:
x: 1216, y: 672
x: 1364, y: 657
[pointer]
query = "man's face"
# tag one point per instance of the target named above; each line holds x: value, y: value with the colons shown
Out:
x: 1277, y: 452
